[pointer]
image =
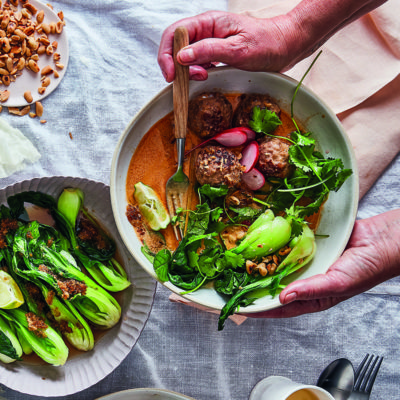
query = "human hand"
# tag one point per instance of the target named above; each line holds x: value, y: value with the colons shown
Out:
x: 240, y: 41
x: 372, y: 256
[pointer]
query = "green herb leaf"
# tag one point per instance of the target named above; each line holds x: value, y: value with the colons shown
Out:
x: 161, y: 264
x: 264, y: 120
x: 213, y: 192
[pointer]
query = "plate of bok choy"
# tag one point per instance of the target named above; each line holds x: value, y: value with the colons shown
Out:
x: 73, y: 301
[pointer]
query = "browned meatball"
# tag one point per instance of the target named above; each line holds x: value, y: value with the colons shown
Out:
x: 209, y: 114
x: 274, y: 156
x: 244, y: 110
x: 217, y: 166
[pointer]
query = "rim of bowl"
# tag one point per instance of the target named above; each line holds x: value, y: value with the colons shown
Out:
x: 275, y: 303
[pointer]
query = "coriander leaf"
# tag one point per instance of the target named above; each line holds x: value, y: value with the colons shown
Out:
x: 233, y: 260
x: 246, y: 213
x: 213, y: 192
x: 215, y: 214
x: 207, y: 262
x: 199, y: 219
x: 264, y: 120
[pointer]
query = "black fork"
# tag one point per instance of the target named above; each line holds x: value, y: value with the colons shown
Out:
x: 365, y: 377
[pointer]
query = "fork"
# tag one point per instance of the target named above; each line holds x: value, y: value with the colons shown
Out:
x: 365, y: 377
x: 178, y: 184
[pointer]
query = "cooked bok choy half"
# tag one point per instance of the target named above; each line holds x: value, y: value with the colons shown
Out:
x: 10, y: 348
x: 90, y: 244
x: 46, y: 342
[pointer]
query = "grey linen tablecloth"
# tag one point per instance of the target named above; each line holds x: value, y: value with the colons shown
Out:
x: 112, y: 73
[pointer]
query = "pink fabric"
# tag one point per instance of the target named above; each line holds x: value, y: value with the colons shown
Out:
x: 357, y: 76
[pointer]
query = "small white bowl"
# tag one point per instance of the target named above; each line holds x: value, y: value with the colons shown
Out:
x: 85, y: 369
x: 339, y: 211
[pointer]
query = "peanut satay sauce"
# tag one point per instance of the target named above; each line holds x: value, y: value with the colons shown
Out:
x: 43, y: 216
x: 155, y: 160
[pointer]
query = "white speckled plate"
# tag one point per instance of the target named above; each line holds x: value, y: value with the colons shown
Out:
x: 85, y: 369
x: 145, y: 394
x: 339, y: 211
x: 32, y: 81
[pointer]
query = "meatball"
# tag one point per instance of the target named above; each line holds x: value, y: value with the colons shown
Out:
x: 217, y: 166
x: 209, y: 114
x: 274, y: 157
x: 247, y: 102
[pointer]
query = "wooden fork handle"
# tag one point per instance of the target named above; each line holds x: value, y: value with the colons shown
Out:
x: 180, y: 85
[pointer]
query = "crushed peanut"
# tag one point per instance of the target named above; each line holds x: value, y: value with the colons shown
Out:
x: 28, y: 96
x: 23, y: 40
x: 39, y: 108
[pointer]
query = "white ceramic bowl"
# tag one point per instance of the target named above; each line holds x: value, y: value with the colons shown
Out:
x: 85, y: 369
x: 339, y: 211
x: 145, y: 394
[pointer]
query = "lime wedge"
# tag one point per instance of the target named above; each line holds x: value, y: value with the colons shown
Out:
x: 151, y: 207
x: 10, y: 293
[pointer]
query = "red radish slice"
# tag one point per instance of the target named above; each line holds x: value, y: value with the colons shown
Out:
x: 251, y: 135
x: 229, y: 138
x: 254, y: 179
x: 250, y: 156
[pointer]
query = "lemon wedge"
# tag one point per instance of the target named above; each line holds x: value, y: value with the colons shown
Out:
x: 10, y: 293
x: 151, y: 207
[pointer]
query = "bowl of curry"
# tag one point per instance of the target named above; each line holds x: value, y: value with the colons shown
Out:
x: 146, y: 152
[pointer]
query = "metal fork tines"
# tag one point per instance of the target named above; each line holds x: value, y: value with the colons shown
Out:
x: 176, y: 190
x: 365, y: 377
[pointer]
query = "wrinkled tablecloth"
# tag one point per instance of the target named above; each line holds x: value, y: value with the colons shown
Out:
x: 112, y: 73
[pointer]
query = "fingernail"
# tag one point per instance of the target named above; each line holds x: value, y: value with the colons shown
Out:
x: 290, y: 297
x: 186, y: 54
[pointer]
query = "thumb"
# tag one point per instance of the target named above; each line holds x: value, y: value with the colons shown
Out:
x: 207, y: 51
x: 331, y: 284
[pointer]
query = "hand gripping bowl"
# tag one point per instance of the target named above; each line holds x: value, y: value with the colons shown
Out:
x: 84, y: 369
x: 338, y: 213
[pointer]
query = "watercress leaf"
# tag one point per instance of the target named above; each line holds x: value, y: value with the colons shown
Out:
x: 230, y: 281
x: 264, y: 120
x: 161, y: 264
x: 186, y: 282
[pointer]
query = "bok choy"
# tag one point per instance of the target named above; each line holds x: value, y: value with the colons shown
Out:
x: 90, y: 244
